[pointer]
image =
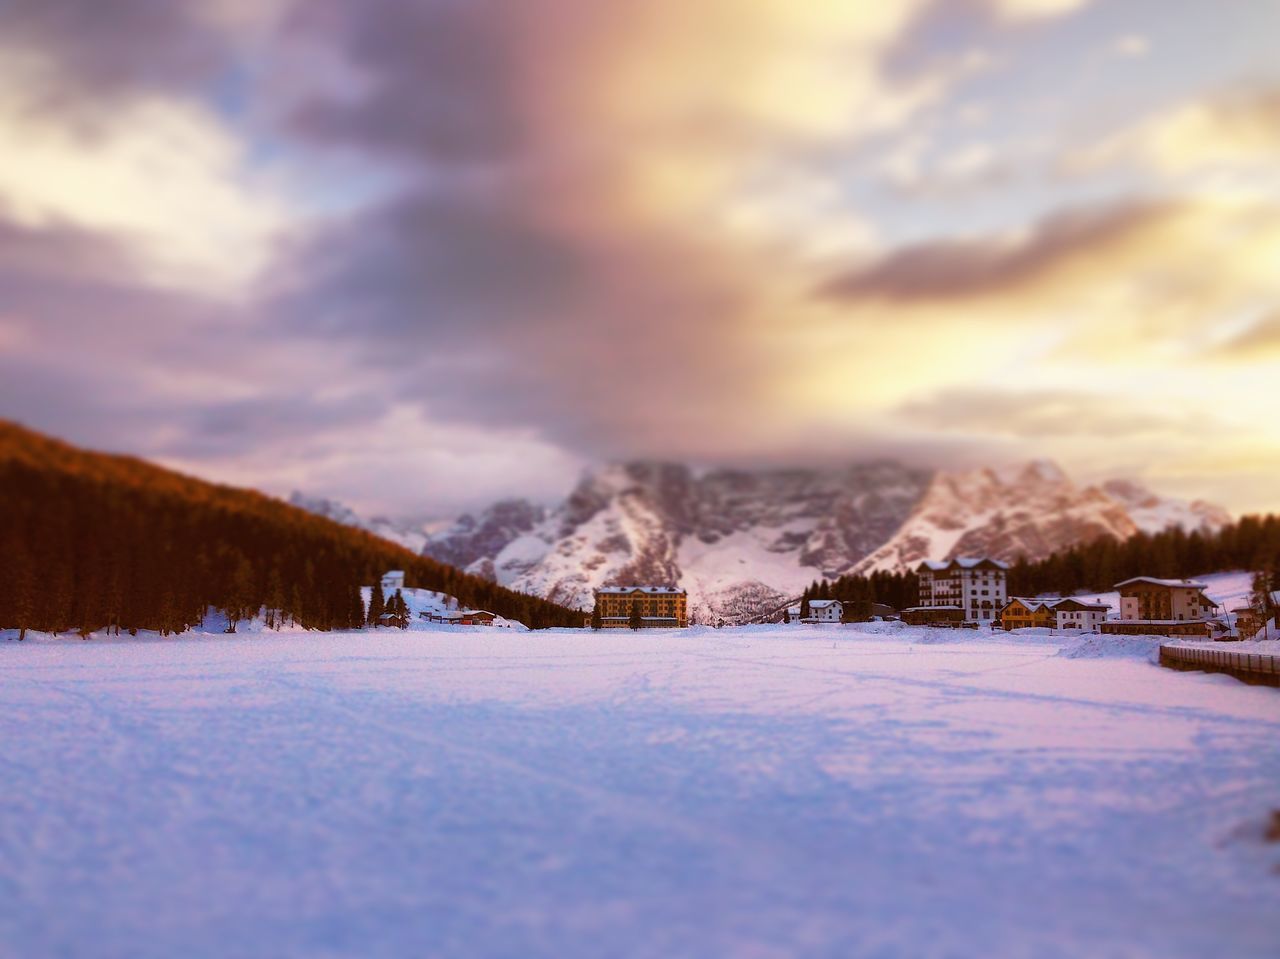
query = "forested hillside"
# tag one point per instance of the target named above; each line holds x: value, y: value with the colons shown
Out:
x: 95, y: 541
x: 1251, y: 543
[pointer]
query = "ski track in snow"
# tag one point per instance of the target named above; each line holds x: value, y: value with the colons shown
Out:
x: 764, y: 792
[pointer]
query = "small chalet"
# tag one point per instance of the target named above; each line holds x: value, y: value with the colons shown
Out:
x: 820, y: 611
x: 939, y: 615
x: 1077, y: 614
x: 1023, y: 613
x: 1060, y: 614
x: 392, y: 580
x: 825, y: 611
x: 459, y: 617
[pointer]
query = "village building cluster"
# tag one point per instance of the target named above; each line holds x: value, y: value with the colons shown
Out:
x: 960, y: 592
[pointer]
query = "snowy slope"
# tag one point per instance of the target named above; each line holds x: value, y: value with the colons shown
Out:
x: 1152, y: 513
x: 734, y: 793
x: 434, y: 603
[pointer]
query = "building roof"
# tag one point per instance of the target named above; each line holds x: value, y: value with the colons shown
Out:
x: 1055, y: 602
x: 1175, y: 583
x: 393, y: 572
x: 922, y: 609
x: 627, y: 590
x: 961, y: 562
x: 794, y: 609
x: 823, y: 603
x: 1031, y: 603
x: 1071, y: 602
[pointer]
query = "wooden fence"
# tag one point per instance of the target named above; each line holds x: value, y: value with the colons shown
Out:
x: 1257, y: 668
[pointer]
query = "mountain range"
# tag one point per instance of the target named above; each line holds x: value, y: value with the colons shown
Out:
x: 742, y: 542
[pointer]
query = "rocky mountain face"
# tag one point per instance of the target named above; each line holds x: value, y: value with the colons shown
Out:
x: 1153, y: 513
x: 409, y: 535
x: 1031, y: 510
x: 743, y: 542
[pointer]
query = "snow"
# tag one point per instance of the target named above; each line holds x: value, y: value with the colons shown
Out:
x: 1181, y: 583
x: 878, y: 790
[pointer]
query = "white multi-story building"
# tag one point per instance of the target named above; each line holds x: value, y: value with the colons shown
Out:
x: 977, y: 586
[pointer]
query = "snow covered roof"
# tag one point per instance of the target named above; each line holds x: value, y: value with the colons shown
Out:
x: 625, y: 590
x: 794, y: 609
x: 393, y: 572
x: 1055, y: 602
x: 923, y: 609
x: 822, y: 603
x: 1031, y: 603
x: 1071, y: 602
x: 1176, y: 583
x: 961, y: 562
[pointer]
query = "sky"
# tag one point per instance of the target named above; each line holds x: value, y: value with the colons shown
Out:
x: 419, y: 254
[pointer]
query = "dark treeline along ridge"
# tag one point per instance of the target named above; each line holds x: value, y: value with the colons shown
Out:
x: 92, y: 541
x: 1251, y: 543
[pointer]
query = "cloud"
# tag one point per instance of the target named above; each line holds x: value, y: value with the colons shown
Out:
x: 161, y: 175
x: 417, y: 248
x: 1036, y: 414
x: 1239, y: 129
x: 957, y: 269
x: 1131, y: 45
x: 1260, y: 339
x: 1037, y: 9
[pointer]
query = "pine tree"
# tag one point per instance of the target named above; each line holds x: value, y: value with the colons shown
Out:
x: 399, y: 611
x: 596, y: 623
x: 377, y: 604
x: 355, y: 608
x: 635, y: 621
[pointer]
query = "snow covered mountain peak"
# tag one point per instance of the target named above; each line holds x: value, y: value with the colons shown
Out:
x: 739, y: 540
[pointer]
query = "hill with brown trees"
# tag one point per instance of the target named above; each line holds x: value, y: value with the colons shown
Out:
x: 92, y: 541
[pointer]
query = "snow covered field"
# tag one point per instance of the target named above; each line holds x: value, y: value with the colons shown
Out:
x: 760, y: 792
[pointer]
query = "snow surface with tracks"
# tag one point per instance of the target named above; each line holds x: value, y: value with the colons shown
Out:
x: 760, y: 792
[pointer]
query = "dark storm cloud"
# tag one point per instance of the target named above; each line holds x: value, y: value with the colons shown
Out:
x: 955, y: 269
x: 440, y: 79
x: 477, y: 291
x: 433, y: 268
x: 108, y: 46
x: 228, y: 428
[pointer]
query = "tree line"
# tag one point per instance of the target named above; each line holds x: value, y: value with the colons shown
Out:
x: 858, y: 595
x: 98, y: 542
x: 1250, y: 543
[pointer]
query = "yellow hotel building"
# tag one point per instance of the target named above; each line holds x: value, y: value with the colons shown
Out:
x: 661, y: 607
